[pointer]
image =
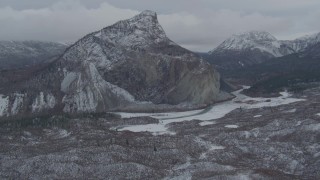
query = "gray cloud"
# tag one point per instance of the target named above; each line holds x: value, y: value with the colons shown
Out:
x: 63, y: 21
x: 38, y: 4
x: 198, y: 25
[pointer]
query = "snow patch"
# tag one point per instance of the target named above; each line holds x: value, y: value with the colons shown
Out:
x: 298, y: 123
x: 231, y: 126
x: 63, y: 133
x: 4, y: 102
x: 241, y: 63
x: 318, y: 114
x: 204, y: 123
x: 156, y: 129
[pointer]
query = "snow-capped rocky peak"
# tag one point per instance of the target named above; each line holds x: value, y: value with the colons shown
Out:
x: 255, y: 47
x: 247, y: 40
x: 146, y: 13
x: 256, y: 36
x: 253, y: 40
x: 140, y: 31
x: 105, y: 47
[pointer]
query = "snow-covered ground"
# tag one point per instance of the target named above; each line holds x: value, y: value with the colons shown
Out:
x: 204, y: 123
x: 215, y: 112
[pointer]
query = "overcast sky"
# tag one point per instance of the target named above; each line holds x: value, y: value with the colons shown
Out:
x: 198, y: 25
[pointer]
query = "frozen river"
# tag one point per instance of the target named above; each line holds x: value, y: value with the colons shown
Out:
x: 208, y: 115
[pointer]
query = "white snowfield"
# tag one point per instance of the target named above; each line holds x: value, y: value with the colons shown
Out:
x: 206, y: 115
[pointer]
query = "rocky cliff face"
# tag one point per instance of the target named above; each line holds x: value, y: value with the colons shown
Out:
x: 130, y: 62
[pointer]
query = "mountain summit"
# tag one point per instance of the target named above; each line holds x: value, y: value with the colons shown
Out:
x: 255, y: 47
x: 141, y: 30
x: 250, y: 41
x: 130, y: 63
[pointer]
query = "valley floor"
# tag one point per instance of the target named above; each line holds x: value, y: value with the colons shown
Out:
x: 246, y: 138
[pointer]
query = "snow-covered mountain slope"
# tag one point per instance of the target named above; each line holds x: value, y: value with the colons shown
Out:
x: 302, y: 43
x: 256, y: 47
x: 19, y: 54
x: 130, y: 62
x: 254, y: 40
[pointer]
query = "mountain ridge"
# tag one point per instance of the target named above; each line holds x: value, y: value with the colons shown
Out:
x: 21, y: 54
x: 254, y: 47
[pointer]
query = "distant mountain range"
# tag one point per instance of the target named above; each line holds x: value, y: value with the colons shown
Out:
x: 294, y: 72
x: 132, y: 62
x: 22, y: 54
x: 255, y: 47
x: 267, y: 64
